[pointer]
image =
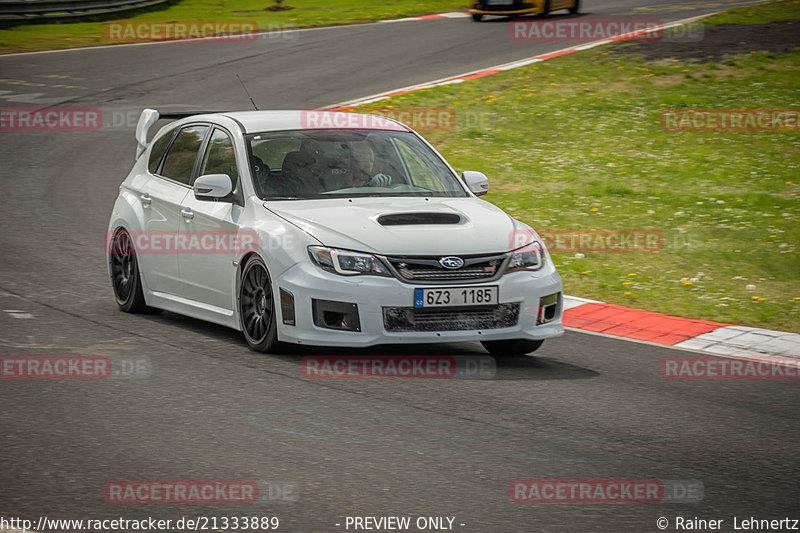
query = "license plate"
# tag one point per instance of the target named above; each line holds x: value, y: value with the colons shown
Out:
x: 499, y: 2
x: 456, y: 297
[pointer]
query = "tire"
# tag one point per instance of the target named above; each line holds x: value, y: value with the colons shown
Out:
x: 511, y: 348
x: 257, y: 307
x: 477, y: 17
x: 546, y: 10
x: 575, y: 9
x: 125, y: 276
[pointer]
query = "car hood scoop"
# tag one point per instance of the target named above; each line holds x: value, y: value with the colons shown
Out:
x: 402, y: 226
x: 416, y: 219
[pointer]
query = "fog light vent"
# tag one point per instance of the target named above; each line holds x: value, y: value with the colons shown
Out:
x: 549, y: 308
x: 336, y: 315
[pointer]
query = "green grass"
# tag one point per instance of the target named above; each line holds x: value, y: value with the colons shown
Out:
x: 758, y: 14
x: 576, y: 143
x: 306, y: 13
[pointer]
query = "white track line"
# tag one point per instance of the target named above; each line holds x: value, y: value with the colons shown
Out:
x: 260, y: 33
x: 507, y: 66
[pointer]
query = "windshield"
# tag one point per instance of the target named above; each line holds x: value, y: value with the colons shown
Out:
x: 330, y: 164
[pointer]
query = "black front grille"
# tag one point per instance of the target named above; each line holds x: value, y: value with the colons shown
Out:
x: 412, y: 319
x: 428, y: 269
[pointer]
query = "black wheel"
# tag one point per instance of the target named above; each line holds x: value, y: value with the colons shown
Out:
x: 257, y: 307
x: 511, y: 348
x: 477, y: 17
x: 125, y: 277
x: 546, y: 10
x: 576, y: 7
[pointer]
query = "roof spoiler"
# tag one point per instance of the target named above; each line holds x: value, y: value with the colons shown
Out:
x: 146, y: 119
x: 151, y: 116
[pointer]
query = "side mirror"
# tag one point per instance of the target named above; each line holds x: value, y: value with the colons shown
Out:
x: 477, y: 182
x: 212, y: 186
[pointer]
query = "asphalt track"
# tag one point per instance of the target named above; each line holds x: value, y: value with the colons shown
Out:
x: 585, y: 407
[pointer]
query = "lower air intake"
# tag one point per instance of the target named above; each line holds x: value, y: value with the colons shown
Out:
x: 412, y: 319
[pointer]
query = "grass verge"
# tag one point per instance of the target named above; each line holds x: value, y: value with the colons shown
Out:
x: 303, y: 14
x: 758, y: 14
x: 576, y: 143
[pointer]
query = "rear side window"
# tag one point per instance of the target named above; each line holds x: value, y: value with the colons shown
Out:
x: 180, y: 159
x: 159, y: 147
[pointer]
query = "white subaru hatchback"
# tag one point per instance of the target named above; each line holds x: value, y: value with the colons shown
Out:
x: 324, y: 228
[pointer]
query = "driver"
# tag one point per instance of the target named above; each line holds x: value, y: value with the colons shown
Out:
x: 360, y: 168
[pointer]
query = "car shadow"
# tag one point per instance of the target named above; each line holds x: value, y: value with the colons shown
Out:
x: 542, y: 365
x: 499, y: 19
x: 537, y: 366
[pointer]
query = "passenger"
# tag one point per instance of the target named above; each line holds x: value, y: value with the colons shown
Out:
x: 301, y: 170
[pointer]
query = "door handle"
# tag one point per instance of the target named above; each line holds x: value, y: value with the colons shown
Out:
x: 187, y: 213
x: 146, y: 200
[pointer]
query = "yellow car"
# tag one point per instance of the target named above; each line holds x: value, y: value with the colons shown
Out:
x: 518, y: 7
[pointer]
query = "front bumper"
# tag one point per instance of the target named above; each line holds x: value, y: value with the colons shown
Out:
x: 517, y: 8
x: 373, y: 295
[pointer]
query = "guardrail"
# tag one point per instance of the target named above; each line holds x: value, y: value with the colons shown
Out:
x: 16, y: 11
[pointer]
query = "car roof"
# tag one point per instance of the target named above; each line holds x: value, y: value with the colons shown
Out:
x: 264, y: 121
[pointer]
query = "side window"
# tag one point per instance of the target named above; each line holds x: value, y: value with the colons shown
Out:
x: 159, y: 147
x: 181, y: 156
x: 219, y: 158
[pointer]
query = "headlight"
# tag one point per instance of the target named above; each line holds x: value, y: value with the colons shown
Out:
x: 346, y: 262
x: 529, y: 257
